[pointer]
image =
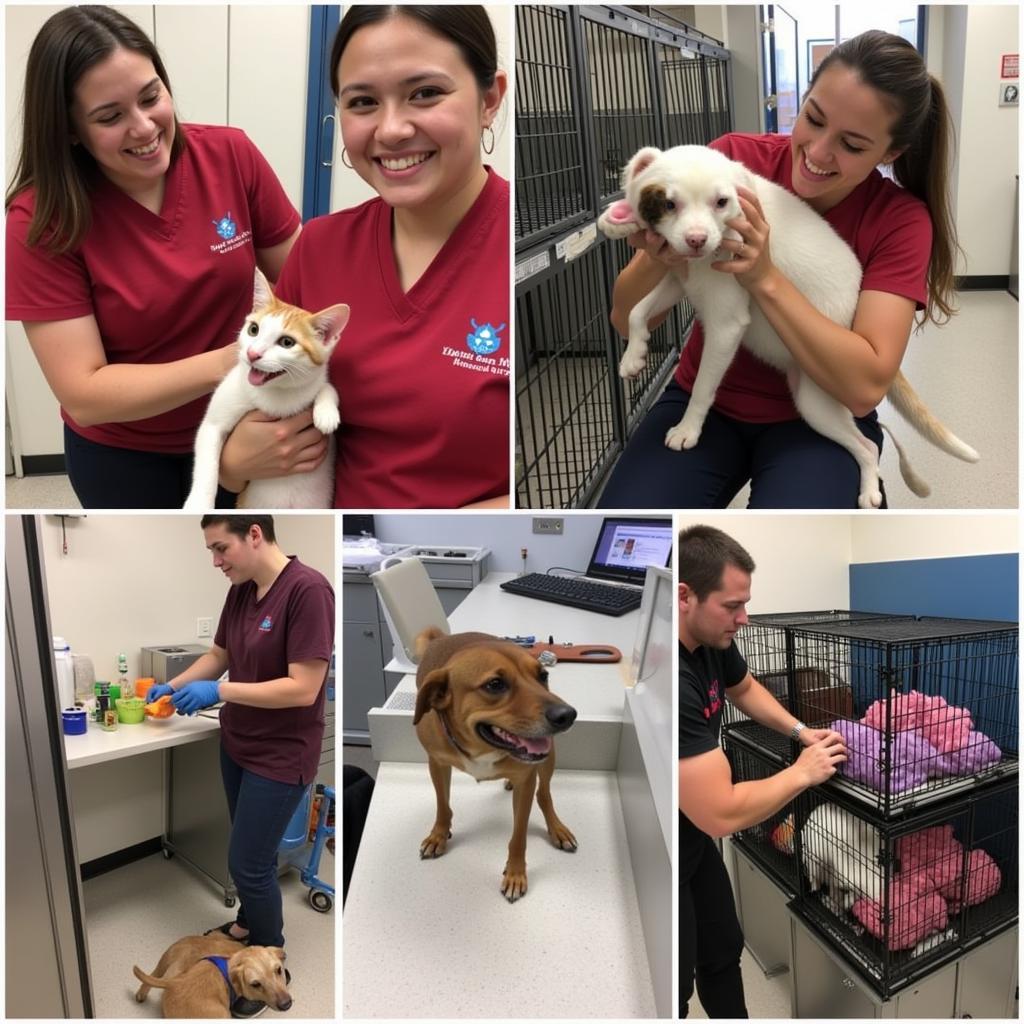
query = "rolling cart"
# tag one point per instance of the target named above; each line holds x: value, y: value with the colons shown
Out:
x: 297, y: 851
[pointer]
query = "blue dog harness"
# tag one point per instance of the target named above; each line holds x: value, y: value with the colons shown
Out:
x: 221, y: 963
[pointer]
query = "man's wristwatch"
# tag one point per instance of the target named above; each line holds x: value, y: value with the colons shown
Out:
x: 794, y: 733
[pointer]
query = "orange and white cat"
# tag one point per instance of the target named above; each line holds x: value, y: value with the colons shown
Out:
x: 283, y: 353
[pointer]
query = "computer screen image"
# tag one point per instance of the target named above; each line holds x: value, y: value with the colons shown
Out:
x: 627, y: 545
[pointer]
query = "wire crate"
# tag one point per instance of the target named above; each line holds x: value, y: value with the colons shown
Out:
x: 769, y: 844
x: 766, y: 644
x: 900, y: 899
x: 934, y: 704
x: 593, y: 85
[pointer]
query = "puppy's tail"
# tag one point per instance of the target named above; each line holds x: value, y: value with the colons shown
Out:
x: 916, y: 484
x: 148, y: 979
x: 424, y: 639
x: 909, y: 405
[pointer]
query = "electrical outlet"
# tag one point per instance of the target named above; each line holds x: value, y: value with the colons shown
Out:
x: 547, y: 525
x: 203, y: 627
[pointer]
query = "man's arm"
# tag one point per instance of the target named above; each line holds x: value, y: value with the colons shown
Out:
x: 708, y: 797
x: 298, y: 689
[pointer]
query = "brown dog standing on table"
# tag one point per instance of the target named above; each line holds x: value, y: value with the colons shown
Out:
x: 493, y: 717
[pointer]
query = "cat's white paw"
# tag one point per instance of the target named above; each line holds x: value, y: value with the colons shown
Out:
x: 685, y: 434
x: 326, y: 418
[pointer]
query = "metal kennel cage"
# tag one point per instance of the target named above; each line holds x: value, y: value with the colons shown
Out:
x: 769, y: 843
x: 593, y: 85
x: 766, y: 643
x: 927, y: 706
x: 899, y: 900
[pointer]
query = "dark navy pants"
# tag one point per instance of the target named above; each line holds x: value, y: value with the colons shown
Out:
x: 107, y: 477
x: 260, y: 810
x: 710, y: 940
x: 788, y: 464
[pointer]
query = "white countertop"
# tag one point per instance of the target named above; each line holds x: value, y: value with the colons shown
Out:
x: 435, y: 938
x: 96, y: 745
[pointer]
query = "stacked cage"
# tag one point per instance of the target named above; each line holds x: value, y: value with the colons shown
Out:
x: 593, y: 85
x: 907, y: 857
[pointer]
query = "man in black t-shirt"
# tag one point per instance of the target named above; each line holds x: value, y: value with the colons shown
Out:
x: 714, y: 588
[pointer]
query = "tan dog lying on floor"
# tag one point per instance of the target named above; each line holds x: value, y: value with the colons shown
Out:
x: 199, y: 990
x: 493, y: 717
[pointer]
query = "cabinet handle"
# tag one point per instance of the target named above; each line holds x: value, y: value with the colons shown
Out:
x: 323, y: 125
x: 368, y: 632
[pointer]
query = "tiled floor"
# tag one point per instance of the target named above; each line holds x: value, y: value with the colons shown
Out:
x: 132, y: 914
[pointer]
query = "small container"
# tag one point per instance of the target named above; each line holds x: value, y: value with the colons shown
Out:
x: 115, y: 694
x: 101, y: 688
x: 130, y: 710
x: 74, y: 721
x: 143, y: 686
x: 109, y: 722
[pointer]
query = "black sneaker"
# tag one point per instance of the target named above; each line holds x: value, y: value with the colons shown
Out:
x: 246, y: 1008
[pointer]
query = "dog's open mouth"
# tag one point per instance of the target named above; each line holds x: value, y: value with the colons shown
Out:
x: 522, y: 748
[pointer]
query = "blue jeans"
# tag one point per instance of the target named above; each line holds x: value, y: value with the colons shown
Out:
x: 107, y: 477
x: 260, y: 810
x: 788, y: 464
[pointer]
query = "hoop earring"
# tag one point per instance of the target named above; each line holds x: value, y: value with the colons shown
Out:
x: 344, y: 155
x: 487, y: 149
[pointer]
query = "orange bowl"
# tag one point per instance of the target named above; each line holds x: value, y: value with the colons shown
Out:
x: 160, y: 708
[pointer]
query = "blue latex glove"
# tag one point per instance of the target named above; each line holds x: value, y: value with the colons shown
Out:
x: 193, y: 697
x: 158, y: 690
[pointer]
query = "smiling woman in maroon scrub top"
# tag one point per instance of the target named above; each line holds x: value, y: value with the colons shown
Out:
x: 131, y: 245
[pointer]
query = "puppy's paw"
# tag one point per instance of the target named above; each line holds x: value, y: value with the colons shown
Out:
x: 869, y: 499
x: 617, y: 229
x: 435, y: 844
x: 198, y: 502
x: 632, y: 364
x: 563, y: 838
x: 513, y: 883
x: 682, y: 435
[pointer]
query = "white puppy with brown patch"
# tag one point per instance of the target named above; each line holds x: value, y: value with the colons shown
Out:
x: 687, y: 194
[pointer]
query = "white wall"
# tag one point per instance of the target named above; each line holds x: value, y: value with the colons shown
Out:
x: 899, y: 538
x: 129, y: 582
x: 348, y: 189
x: 802, y: 560
x: 975, y: 37
x: 505, y: 533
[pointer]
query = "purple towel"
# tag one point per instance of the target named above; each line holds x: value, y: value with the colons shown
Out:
x: 913, y: 758
x: 977, y: 753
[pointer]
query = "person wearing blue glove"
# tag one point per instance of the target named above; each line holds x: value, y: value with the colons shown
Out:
x: 274, y: 640
x: 194, y: 696
x: 158, y: 690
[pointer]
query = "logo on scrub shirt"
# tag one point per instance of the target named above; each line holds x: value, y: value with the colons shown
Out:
x: 226, y: 227
x: 266, y: 625
x: 484, y: 340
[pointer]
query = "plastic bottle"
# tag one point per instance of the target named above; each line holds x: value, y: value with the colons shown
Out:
x: 65, y: 672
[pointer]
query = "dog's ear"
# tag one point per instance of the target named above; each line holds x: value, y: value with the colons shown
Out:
x: 433, y: 695
x: 279, y: 953
x: 640, y: 162
x: 236, y: 974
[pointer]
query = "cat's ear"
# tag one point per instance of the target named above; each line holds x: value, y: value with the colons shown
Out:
x: 330, y: 322
x: 261, y: 293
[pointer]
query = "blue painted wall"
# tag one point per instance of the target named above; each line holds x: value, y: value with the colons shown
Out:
x: 971, y: 587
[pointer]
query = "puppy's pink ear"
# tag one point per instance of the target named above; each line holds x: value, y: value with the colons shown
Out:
x: 433, y: 695
x: 640, y: 162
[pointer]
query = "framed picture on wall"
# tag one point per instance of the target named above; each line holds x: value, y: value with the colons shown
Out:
x: 817, y: 51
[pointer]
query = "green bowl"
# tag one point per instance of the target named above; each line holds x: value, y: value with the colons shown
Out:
x: 130, y: 710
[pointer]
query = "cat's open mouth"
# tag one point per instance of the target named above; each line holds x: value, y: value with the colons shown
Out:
x: 260, y: 377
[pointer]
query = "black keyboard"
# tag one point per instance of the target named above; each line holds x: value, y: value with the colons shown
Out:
x: 576, y: 592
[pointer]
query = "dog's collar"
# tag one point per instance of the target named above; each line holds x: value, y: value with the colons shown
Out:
x: 451, y: 738
x: 221, y: 963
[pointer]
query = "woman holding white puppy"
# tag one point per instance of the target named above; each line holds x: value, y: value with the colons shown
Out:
x: 871, y: 102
